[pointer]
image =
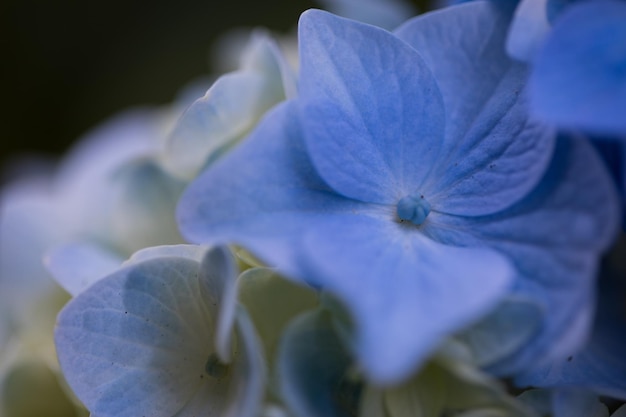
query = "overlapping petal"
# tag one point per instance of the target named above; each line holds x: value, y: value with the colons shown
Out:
x: 371, y: 111
x: 553, y: 237
x: 530, y: 26
x: 579, y: 76
x: 275, y: 196
x: 141, y: 342
x: 289, y: 218
x: 229, y: 109
x: 77, y: 265
x: 393, y: 279
x: 493, y: 153
x: 133, y: 207
x: 599, y: 366
x: 315, y: 183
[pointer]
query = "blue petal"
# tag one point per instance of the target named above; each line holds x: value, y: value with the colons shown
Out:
x: 31, y: 220
x: 138, y: 341
x: 218, y: 275
x: 371, y: 110
x: 262, y: 195
x: 528, y: 30
x: 136, y: 211
x: 554, y: 237
x: 579, y: 77
x: 276, y: 197
x: 392, y: 278
x: 600, y: 365
x: 493, y: 154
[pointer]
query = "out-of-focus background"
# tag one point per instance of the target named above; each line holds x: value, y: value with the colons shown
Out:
x: 67, y: 65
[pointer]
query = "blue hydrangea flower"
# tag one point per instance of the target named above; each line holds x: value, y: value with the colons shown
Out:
x: 163, y: 336
x: 403, y: 167
x: 579, y: 75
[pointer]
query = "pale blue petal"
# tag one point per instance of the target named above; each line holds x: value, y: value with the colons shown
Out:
x: 554, y: 237
x: 218, y: 274
x: 136, y: 343
x: 387, y: 14
x: 126, y: 136
x: 264, y: 55
x: 528, y: 30
x: 77, y: 265
x: 31, y: 220
x: 218, y: 278
x: 493, y: 154
x: 135, y: 207
x: 371, y: 111
x: 216, y: 121
x: 313, y: 366
x: 262, y: 195
x: 555, y: 7
x: 249, y: 370
x: 230, y: 108
x: 392, y: 278
x: 240, y: 394
x: 579, y: 76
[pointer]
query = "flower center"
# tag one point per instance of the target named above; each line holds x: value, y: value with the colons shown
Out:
x: 215, y: 368
x: 413, y: 208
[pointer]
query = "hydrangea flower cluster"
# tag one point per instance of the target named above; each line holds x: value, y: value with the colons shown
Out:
x: 415, y: 219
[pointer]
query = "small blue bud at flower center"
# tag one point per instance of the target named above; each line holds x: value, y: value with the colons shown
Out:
x: 413, y: 208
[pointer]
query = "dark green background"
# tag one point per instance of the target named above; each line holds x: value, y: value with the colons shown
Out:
x: 69, y: 64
